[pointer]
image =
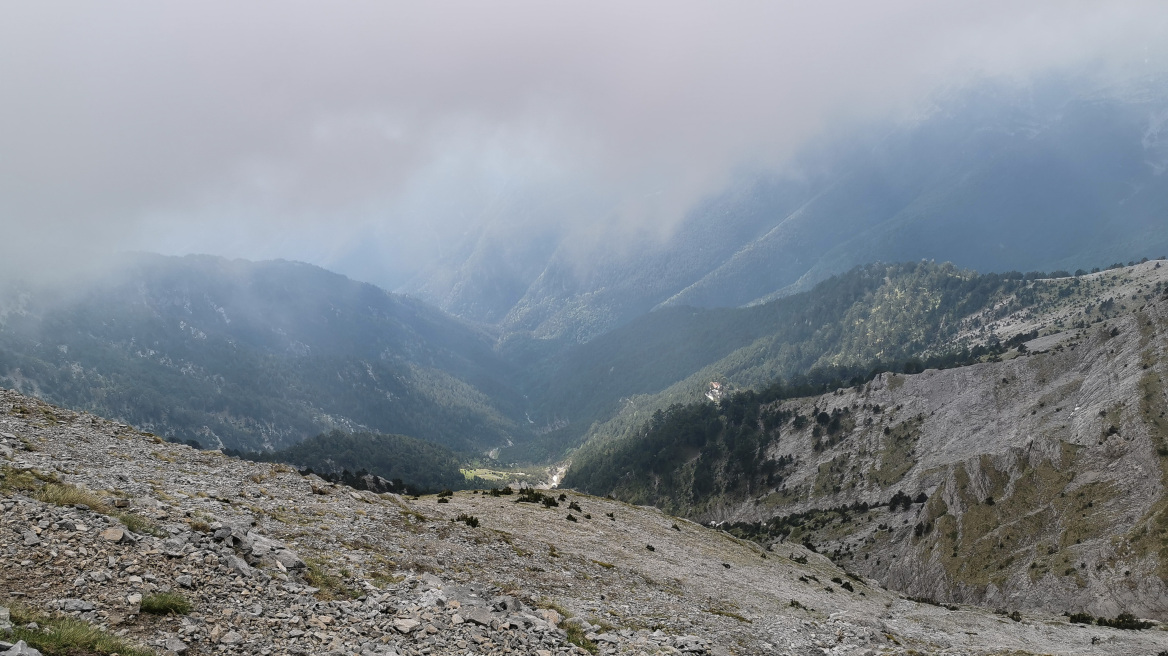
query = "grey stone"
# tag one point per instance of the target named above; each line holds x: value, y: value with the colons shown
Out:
x: 31, y: 539
x: 239, y: 566
x: 290, y: 559
x: 185, y: 581
x: 174, y: 546
x: 505, y: 604
x: 76, y: 605
x: 480, y: 616
x: 177, y: 646
x: 21, y: 648
x: 405, y: 625
x: 231, y: 638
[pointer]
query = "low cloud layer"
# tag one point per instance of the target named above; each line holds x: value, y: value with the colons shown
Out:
x: 373, y: 137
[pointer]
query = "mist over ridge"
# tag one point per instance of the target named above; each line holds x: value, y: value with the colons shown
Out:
x: 393, y: 146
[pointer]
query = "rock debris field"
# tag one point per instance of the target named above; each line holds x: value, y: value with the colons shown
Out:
x: 99, y: 522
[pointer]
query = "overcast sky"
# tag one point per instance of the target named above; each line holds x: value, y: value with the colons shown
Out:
x: 368, y: 136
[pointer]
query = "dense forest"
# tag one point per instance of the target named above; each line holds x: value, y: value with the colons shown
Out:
x: 412, y: 464
x: 687, y: 456
x: 873, y: 314
x: 256, y: 356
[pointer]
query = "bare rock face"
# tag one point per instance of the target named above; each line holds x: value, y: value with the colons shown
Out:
x: 287, y: 570
x: 1034, y: 484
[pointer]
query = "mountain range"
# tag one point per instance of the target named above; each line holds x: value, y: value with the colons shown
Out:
x: 1047, y: 175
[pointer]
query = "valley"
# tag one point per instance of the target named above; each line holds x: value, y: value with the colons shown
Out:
x: 1035, y: 481
x: 268, y: 560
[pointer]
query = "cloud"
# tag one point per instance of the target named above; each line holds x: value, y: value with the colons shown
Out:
x: 372, y: 136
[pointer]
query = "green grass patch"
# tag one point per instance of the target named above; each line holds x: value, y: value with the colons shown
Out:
x: 896, y: 458
x: 49, y: 489
x: 330, y: 586
x: 728, y: 613
x: 139, y: 524
x: 576, y: 637
x: 66, y: 636
x: 166, y: 603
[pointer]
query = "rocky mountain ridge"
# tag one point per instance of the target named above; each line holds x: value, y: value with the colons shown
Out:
x: 99, y: 519
x: 1036, y: 482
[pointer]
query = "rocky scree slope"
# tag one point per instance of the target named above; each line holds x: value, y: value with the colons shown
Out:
x: 276, y: 563
x: 1035, y: 483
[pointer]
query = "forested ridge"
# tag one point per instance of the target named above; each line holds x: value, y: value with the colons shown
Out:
x: 259, y: 356
x: 410, y: 463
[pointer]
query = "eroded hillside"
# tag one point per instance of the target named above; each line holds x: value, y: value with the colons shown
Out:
x: 273, y: 562
x: 1034, y: 482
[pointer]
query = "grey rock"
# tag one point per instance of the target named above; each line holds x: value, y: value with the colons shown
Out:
x: 177, y: 646
x: 76, y: 605
x: 289, y: 559
x: 231, y: 638
x: 405, y: 625
x: 21, y: 648
x: 174, y: 546
x: 31, y: 539
x: 478, y: 615
x: 505, y: 604
x: 185, y: 581
x: 239, y: 566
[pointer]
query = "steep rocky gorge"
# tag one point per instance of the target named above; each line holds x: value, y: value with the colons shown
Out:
x: 1039, y: 481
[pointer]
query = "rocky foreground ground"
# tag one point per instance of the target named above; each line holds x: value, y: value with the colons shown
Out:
x: 98, y: 522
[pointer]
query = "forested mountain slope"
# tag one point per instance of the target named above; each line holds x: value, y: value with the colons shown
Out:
x: 255, y: 355
x: 1038, y: 479
x: 875, y: 315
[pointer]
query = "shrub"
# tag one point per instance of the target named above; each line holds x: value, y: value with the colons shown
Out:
x: 469, y: 520
x: 535, y: 496
x: 1124, y: 621
x: 166, y: 603
x: 1081, y: 618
